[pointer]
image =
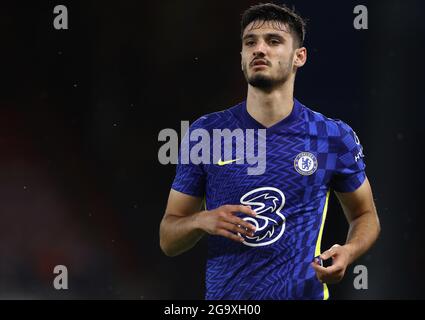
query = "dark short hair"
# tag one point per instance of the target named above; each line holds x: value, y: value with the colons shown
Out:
x: 273, y: 12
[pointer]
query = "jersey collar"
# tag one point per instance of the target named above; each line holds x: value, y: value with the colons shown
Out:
x: 282, y: 124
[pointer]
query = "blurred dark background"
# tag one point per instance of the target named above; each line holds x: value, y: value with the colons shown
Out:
x: 81, y: 109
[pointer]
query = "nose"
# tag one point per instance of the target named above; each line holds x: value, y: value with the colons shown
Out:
x: 260, y: 49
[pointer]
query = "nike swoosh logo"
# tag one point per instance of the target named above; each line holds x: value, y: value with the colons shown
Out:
x: 223, y: 163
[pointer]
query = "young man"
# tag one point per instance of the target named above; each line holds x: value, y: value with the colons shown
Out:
x: 265, y: 229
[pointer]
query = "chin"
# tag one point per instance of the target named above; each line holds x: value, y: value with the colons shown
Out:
x: 261, y: 81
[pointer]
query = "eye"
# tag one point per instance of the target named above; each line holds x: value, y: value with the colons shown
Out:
x: 249, y: 43
x: 275, y: 41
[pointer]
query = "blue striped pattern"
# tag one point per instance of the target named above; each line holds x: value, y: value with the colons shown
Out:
x: 281, y: 269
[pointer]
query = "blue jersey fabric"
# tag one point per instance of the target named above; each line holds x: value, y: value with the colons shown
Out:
x: 307, y: 154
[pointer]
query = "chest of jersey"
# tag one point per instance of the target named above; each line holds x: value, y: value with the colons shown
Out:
x: 290, y: 161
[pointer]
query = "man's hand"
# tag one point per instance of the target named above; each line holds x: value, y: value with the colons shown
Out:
x: 223, y: 222
x: 340, y: 260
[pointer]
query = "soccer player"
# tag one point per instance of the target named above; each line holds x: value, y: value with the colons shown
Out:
x: 264, y: 230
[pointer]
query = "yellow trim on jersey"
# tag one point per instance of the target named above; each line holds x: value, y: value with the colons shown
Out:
x: 204, y: 203
x: 319, y: 241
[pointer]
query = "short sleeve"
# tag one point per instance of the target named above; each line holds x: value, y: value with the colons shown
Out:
x: 190, y: 178
x: 350, y: 167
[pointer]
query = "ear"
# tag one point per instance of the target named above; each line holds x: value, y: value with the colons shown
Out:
x: 300, y: 57
x: 241, y: 61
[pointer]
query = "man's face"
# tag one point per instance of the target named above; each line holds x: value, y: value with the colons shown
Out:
x: 267, y: 54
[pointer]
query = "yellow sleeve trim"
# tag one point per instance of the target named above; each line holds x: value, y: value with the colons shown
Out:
x: 319, y: 241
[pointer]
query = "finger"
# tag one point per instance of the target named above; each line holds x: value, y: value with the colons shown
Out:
x: 319, y: 271
x: 324, y: 275
x: 243, y: 209
x: 329, y: 253
x: 329, y: 275
x: 230, y: 235
x: 333, y: 269
x: 326, y: 255
x: 326, y: 271
x: 235, y: 228
x: 335, y: 277
x: 241, y: 222
x: 318, y: 268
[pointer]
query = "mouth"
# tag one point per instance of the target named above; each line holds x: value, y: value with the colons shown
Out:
x: 258, y: 63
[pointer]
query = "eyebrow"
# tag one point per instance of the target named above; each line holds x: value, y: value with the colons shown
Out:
x: 268, y: 35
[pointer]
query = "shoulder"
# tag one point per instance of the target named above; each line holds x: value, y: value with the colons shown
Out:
x: 327, y: 126
x: 216, y: 119
x: 338, y: 133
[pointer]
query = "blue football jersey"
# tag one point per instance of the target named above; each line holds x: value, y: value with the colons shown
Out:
x: 307, y: 155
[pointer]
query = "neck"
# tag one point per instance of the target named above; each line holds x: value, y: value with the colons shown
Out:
x: 270, y: 107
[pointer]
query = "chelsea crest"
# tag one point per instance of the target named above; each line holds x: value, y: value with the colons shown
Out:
x: 305, y: 163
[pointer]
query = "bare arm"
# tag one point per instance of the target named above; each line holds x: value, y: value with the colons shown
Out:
x: 183, y: 224
x: 364, y: 229
x: 362, y: 217
x: 178, y: 230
